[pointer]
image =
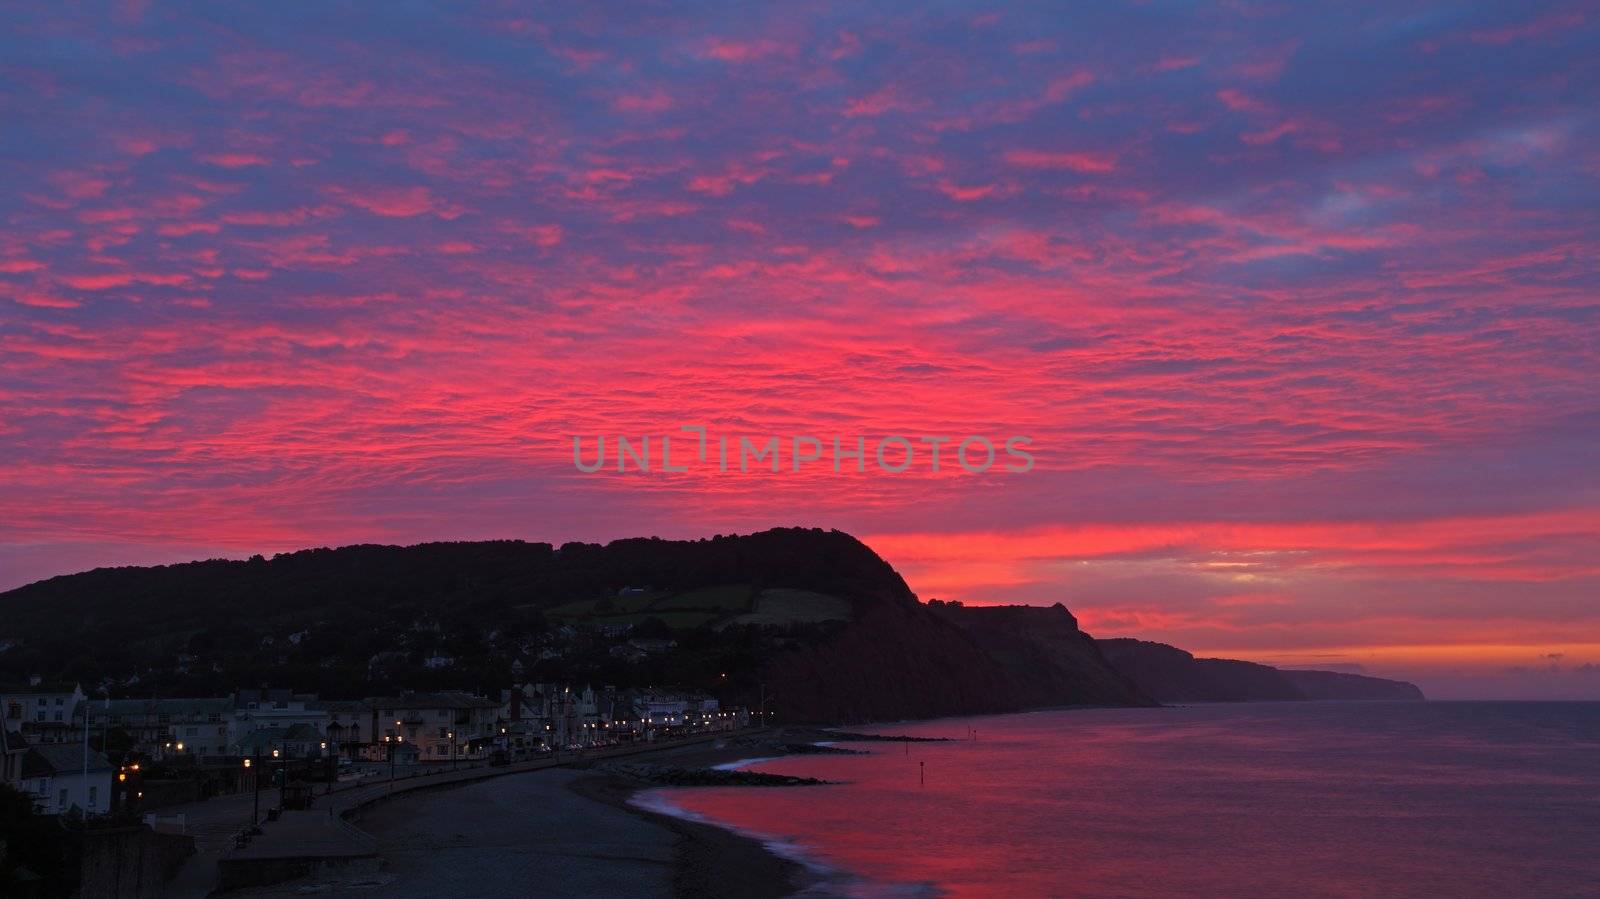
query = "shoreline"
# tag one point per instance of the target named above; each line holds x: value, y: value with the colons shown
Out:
x: 709, y: 860
x: 713, y: 860
x: 694, y: 857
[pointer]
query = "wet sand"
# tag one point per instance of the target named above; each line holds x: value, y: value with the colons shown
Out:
x: 708, y: 861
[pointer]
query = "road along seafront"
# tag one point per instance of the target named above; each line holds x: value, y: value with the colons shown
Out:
x: 331, y: 840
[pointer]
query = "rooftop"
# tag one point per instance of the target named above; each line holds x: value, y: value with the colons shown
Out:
x: 451, y: 700
x: 49, y: 759
x: 127, y: 707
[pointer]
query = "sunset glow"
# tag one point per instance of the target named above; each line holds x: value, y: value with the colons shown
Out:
x: 1306, y: 351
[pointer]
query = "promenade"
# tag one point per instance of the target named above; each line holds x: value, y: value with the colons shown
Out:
x: 326, y: 835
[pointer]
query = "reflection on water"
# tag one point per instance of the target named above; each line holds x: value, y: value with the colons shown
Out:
x: 1323, y: 799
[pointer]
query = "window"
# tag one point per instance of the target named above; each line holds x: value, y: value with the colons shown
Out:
x: 61, y: 801
x: 94, y: 793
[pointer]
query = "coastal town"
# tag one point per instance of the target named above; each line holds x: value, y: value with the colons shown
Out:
x: 78, y: 756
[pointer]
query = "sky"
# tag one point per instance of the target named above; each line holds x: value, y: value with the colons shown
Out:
x: 1296, y: 305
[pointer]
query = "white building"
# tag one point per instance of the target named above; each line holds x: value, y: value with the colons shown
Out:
x: 275, y: 709
x: 42, y: 712
x: 54, y: 775
x: 655, y: 710
x: 168, y: 728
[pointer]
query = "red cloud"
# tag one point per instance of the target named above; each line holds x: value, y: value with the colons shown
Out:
x: 396, y: 202
x: 235, y: 160
x: 1087, y: 163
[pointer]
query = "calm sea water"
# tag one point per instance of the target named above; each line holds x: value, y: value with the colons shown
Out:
x: 1292, y: 799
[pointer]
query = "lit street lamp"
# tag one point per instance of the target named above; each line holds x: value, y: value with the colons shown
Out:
x: 255, y: 781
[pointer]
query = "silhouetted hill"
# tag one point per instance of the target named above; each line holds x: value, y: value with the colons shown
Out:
x: 1043, y: 651
x: 812, y: 619
x: 1170, y: 674
x: 1342, y: 685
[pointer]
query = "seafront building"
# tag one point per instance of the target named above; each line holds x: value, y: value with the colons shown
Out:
x: 350, y: 725
x: 439, y: 726
x: 269, y: 709
x: 201, y: 742
x: 168, y: 728
x: 42, y: 711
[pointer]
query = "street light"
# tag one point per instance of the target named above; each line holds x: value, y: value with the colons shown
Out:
x: 392, y: 744
x: 255, y: 781
x: 283, y: 775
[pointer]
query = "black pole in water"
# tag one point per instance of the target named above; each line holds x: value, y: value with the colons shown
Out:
x: 922, y: 773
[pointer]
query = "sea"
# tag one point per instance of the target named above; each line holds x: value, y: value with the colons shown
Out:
x: 1376, y: 799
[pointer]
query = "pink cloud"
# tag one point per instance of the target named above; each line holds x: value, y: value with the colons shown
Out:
x: 883, y: 101
x: 1083, y: 162
x: 1239, y: 101
x: 397, y: 202
x: 743, y: 51
x: 654, y: 101
x: 234, y: 160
